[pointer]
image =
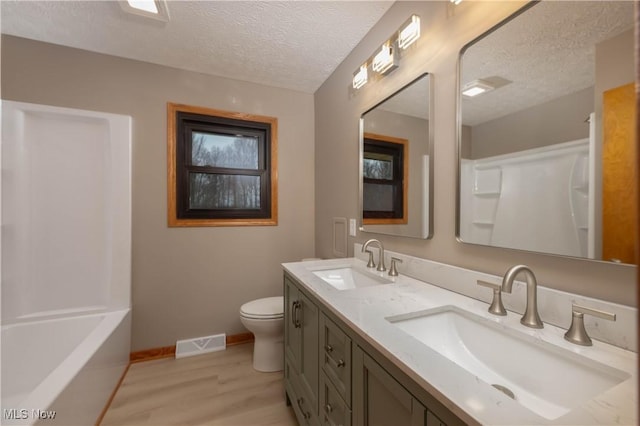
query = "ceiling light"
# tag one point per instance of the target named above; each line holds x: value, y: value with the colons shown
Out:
x: 477, y: 87
x: 456, y: 1
x: 386, y: 60
x: 410, y: 32
x: 155, y: 9
x: 360, y: 77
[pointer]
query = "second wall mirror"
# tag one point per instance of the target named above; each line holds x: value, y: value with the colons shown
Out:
x: 546, y: 145
x: 396, y: 163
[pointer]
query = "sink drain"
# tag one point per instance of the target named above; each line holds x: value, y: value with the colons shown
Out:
x: 505, y: 390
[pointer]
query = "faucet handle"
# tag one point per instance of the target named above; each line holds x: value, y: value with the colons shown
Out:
x: 371, y: 263
x: 496, y: 307
x: 577, y: 333
x: 393, y: 270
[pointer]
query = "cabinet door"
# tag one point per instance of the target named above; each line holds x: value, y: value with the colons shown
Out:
x: 309, y: 353
x: 292, y: 324
x: 295, y: 397
x: 378, y: 399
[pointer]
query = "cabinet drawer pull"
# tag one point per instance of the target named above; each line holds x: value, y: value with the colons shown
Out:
x: 328, y: 408
x: 305, y: 414
x: 328, y: 348
x: 337, y: 364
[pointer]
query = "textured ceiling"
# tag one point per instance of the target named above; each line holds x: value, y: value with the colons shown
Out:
x: 547, y: 52
x: 289, y: 44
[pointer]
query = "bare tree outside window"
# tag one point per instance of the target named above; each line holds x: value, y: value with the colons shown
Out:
x: 220, y: 191
x: 222, y: 168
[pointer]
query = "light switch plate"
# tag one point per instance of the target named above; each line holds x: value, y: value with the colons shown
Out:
x: 352, y: 227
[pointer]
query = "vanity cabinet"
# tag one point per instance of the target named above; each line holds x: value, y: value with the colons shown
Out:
x: 381, y: 400
x: 301, y: 353
x: 334, y: 377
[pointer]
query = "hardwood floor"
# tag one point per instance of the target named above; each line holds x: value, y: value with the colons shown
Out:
x: 218, y: 389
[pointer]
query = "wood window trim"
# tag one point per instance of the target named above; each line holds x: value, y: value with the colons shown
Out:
x: 172, y: 218
x: 405, y: 181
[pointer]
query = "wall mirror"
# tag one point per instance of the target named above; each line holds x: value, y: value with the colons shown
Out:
x: 545, y: 136
x: 396, y: 163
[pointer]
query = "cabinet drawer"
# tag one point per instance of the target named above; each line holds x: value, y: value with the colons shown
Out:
x: 333, y: 410
x: 302, y: 406
x: 335, y: 347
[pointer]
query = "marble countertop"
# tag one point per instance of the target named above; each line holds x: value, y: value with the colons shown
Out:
x: 473, y: 400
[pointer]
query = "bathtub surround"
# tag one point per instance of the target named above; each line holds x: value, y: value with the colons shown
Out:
x: 191, y: 282
x: 66, y: 255
x: 446, y: 29
x: 186, y: 282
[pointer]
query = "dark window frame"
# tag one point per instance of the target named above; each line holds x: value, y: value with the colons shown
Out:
x: 397, y: 148
x: 183, y: 122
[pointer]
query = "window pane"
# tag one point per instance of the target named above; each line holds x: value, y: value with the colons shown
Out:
x: 208, y: 191
x: 215, y: 150
x: 378, y: 169
x: 378, y: 197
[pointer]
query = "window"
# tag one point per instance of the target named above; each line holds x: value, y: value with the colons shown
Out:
x: 384, y: 180
x: 222, y: 168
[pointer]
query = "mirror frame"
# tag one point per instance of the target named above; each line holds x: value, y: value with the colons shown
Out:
x: 494, y: 28
x: 361, y: 133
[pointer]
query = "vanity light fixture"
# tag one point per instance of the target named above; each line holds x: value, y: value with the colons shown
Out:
x: 387, y: 57
x: 410, y: 32
x: 476, y: 87
x: 360, y: 77
x: 154, y: 9
x: 386, y: 60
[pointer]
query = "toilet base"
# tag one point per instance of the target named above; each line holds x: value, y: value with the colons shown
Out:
x: 268, y: 355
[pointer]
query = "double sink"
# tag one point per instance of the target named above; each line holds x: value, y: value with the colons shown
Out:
x: 545, y: 378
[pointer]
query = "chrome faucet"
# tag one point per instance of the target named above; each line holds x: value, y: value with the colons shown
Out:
x: 530, y: 317
x: 381, y: 266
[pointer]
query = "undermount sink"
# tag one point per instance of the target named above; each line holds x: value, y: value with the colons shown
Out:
x: 347, y: 277
x: 546, y: 379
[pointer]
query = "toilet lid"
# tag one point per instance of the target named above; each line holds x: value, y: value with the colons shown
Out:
x: 269, y: 307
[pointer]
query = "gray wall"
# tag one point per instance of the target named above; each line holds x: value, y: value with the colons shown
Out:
x: 556, y: 121
x: 446, y: 28
x: 186, y: 282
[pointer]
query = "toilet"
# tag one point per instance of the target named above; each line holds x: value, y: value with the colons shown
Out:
x: 265, y: 319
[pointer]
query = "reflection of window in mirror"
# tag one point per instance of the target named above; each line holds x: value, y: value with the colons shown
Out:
x: 384, y: 179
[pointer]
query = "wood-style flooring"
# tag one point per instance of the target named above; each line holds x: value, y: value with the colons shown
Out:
x: 218, y: 389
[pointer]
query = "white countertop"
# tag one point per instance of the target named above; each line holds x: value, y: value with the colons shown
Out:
x: 473, y: 400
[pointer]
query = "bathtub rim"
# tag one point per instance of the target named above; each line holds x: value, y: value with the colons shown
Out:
x: 46, y: 392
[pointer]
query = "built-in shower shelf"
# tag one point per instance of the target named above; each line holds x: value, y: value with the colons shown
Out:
x: 482, y: 223
x: 487, y: 194
x: 582, y: 189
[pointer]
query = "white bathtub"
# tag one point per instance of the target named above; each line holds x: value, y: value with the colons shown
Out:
x: 67, y: 366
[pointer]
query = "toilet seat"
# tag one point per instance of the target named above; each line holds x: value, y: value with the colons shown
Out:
x: 265, y: 309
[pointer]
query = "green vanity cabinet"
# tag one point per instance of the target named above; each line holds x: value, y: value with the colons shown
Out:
x: 333, y: 377
x: 335, y: 374
x: 301, y: 353
x: 380, y: 398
